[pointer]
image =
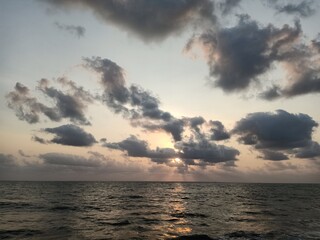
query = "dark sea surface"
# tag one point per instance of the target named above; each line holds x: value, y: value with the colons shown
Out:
x: 142, y: 210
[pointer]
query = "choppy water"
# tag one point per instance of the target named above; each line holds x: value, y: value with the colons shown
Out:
x: 104, y: 210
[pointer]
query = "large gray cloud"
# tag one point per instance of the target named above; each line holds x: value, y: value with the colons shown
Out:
x: 70, y: 135
x: 70, y: 104
x: 78, y: 31
x: 279, y: 130
x: 191, y: 152
x: 149, y: 19
x: 238, y: 55
x: 275, y: 134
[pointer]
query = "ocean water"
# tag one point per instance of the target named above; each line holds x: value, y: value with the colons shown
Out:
x: 143, y: 210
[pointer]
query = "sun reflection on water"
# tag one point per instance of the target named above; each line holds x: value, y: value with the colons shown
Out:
x: 176, y: 207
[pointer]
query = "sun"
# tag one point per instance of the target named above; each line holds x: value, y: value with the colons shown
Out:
x: 177, y: 160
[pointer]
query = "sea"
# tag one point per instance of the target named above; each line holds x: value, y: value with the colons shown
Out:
x: 158, y: 210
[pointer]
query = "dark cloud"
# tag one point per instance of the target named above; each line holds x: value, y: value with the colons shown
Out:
x: 237, y: 56
x: 195, y: 122
x: 112, y: 80
x: 272, y: 93
x: 305, y: 8
x: 240, y: 56
x: 26, y: 107
x: 70, y: 104
x: 139, y: 148
x: 205, y: 151
x: 192, y: 152
x: 279, y: 130
x: 134, y: 103
x: 142, y: 108
x: 310, y: 151
x: 277, y: 135
x: 71, y: 135
x: 39, y: 140
x: 174, y: 127
x: 273, y: 155
x: 149, y: 19
x: 218, y: 131
x: 78, y: 31
x: 308, y: 81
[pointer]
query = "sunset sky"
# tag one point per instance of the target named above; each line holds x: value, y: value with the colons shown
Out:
x: 160, y: 90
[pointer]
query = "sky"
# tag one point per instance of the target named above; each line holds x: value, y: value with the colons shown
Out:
x: 160, y: 90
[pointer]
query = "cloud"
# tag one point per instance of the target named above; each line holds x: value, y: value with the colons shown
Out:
x: 196, y: 122
x: 133, y: 102
x: 238, y: 55
x: 139, y: 148
x: 70, y: 104
x: 280, y: 131
x: 273, y: 155
x: 205, y: 151
x: 149, y: 19
x: 315, y: 43
x: 26, y: 107
x: 78, y: 31
x: 140, y: 106
x: 70, y: 135
x: 62, y: 166
x: 23, y: 154
x: 305, y: 8
x: 280, y: 166
x: 310, y: 151
x: 218, y: 131
x: 70, y: 160
x: 185, y: 153
x: 271, y: 93
x: 226, y: 6
x: 39, y: 140
x: 6, y: 160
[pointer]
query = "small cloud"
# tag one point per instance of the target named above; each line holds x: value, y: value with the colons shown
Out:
x: 273, y: 155
x: 69, y: 104
x: 304, y: 9
x: 71, y: 135
x: 23, y: 154
x: 78, y: 31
